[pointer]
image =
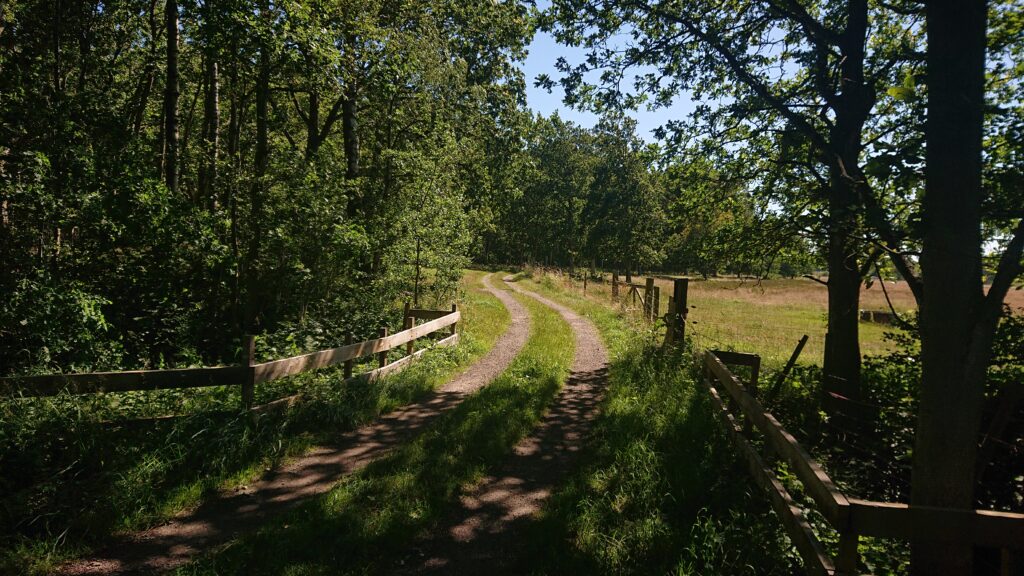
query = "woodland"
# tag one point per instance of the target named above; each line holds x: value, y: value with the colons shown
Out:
x: 175, y: 174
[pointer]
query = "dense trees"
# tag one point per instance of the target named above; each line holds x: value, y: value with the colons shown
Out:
x: 173, y: 173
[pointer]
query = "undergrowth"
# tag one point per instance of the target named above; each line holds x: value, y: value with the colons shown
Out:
x: 74, y: 469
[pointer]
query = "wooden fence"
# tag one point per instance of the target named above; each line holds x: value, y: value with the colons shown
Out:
x: 852, y: 518
x: 250, y: 374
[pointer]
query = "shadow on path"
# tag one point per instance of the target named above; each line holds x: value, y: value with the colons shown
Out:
x: 483, y: 533
x: 231, y: 514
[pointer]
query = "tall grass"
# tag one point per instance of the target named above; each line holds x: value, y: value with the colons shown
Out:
x: 74, y: 469
x: 370, y: 520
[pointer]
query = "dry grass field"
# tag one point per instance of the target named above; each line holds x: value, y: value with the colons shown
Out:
x: 770, y: 316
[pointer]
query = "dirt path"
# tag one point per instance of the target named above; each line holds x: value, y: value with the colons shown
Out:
x: 482, y: 536
x: 230, y: 514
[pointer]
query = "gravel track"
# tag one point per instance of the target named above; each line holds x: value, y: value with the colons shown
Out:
x: 230, y: 514
x: 482, y: 536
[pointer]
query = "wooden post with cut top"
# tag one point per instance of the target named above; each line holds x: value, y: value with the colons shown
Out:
x: 249, y: 383
x: 680, y: 286
x: 455, y: 308
x: 648, y: 299
x: 382, y: 357
x: 349, y: 364
x: 408, y: 321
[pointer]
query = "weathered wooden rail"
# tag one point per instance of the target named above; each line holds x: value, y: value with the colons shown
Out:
x: 852, y: 518
x: 250, y: 374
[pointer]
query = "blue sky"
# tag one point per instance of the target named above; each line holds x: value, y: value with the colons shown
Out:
x: 544, y: 51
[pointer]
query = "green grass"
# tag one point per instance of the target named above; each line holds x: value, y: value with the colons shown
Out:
x: 661, y: 489
x: 371, y: 518
x: 766, y: 319
x: 70, y: 477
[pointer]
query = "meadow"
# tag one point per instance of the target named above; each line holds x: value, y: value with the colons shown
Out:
x: 768, y: 317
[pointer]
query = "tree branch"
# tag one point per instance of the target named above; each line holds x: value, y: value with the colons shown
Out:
x: 1009, y: 268
x: 744, y: 75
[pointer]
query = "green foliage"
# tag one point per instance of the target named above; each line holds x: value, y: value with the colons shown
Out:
x: 386, y: 124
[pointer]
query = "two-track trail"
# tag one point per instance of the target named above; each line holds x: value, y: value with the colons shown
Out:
x: 228, y: 515
x: 484, y: 533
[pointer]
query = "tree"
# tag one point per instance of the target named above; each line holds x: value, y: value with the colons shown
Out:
x: 958, y: 319
x: 825, y: 99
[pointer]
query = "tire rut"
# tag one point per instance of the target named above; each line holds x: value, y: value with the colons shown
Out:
x: 231, y: 514
x: 483, y: 535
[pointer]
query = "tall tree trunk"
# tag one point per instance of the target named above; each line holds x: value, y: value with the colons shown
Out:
x: 841, y: 365
x: 852, y: 105
x: 955, y: 342
x: 170, y: 162
x: 350, y: 134
x: 313, y: 125
x: 258, y: 189
x: 211, y: 134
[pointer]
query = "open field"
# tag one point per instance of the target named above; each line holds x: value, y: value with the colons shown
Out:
x: 770, y: 316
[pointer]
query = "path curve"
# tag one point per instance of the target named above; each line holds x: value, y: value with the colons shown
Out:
x: 228, y: 515
x: 483, y: 534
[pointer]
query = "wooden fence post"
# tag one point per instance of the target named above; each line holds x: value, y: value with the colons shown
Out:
x: 249, y: 384
x: 382, y: 357
x: 846, y: 561
x: 670, y: 322
x: 648, y: 299
x: 679, y: 293
x: 455, y: 308
x: 349, y: 364
x: 585, y: 284
x: 408, y: 321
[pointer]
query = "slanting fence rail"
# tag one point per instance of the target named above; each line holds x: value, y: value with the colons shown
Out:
x: 850, y: 517
x: 249, y: 375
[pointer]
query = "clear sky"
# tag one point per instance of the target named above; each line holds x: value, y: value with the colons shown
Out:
x: 544, y: 51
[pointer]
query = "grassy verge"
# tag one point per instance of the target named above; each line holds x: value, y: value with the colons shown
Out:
x: 661, y: 490
x: 74, y: 470
x: 371, y: 518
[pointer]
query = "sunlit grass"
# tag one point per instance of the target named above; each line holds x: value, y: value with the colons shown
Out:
x: 660, y: 489
x: 766, y: 318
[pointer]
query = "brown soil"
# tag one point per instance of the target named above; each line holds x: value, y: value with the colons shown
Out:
x: 230, y: 514
x: 483, y: 535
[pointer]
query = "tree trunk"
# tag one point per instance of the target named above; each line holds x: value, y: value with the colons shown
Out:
x: 350, y: 134
x: 261, y: 160
x: 841, y: 365
x: 170, y: 162
x: 955, y: 342
x: 211, y: 134
x: 313, y: 125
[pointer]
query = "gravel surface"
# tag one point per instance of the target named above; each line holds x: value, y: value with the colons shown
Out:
x: 232, y: 513
x: 483, y: 534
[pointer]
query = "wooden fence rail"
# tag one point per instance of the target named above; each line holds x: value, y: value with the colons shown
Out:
x: 851, y: 517
x: 247, y: 376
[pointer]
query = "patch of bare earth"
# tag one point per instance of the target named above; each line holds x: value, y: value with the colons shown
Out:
x: 230, y: 514
x: 483, y: 535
